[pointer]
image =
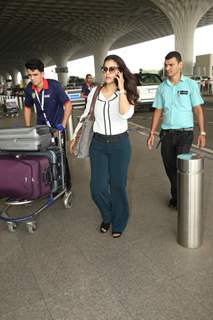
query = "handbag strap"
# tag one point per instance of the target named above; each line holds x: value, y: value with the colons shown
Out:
x: 92, y: 106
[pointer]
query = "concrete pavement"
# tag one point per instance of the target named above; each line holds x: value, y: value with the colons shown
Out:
x: 67, y: 270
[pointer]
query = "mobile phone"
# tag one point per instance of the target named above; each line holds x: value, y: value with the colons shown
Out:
x: 116, y: 81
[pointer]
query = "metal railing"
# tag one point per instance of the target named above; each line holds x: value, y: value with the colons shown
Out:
x: 18, y: 99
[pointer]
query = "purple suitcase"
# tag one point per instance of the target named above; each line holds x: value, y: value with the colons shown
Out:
x: 24, y: 178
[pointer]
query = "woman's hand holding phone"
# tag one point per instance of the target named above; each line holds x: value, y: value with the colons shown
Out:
x: 119, y: 77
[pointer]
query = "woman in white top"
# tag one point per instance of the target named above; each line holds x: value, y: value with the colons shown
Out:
x: 110, y: 148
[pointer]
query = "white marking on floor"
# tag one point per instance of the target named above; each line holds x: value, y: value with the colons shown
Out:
x: 145, y: 132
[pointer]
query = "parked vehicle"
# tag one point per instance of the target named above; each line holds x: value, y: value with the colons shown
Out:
x: 203, y: 83
x: 147, y: 84
x: 199, y: 80
x: 74, y: 82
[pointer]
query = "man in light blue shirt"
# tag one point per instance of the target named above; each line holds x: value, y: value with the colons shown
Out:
x: 177, y: 98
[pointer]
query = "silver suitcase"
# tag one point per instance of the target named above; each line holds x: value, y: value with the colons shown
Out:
x: 25, y: 139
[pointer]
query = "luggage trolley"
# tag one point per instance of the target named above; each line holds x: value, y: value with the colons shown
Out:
x: 11, y: 107
x: 20, y: 147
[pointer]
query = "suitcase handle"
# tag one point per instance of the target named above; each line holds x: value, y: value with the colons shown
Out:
x: 47, y: 176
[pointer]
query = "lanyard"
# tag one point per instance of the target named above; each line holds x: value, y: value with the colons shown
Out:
x: 41, y: 102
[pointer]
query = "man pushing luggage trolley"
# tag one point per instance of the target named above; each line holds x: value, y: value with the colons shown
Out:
x: 33, y: 162
x: 52, y: 104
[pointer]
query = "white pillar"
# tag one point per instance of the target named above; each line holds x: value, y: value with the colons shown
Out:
x: 61, y: 68
x: 14, y: 77
x: 184, y: 43
x: 5, y: 75
x: 99, y: 54
x: 184, y: 17
x: 23, y: 74
x: 1, y: 85
x: 62, y: 72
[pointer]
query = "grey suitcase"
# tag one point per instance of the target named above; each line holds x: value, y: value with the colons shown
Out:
x: 25, y: 139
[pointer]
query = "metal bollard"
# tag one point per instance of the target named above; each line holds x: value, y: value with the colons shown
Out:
x: 190, y: 200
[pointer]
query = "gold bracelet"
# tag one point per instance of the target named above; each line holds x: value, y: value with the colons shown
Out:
x: 203, y: 133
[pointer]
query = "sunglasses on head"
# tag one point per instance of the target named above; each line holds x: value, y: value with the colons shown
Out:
x: 110, y: 69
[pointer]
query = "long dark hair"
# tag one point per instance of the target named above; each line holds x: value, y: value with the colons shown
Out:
x: 129, y: 79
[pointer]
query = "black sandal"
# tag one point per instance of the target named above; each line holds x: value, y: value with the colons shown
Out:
x: 104, y: 227
x: 116, y: 235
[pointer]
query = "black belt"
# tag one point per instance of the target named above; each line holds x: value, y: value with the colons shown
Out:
x: 164, y: 132
x: 109, y: 138
x: 177, y: 130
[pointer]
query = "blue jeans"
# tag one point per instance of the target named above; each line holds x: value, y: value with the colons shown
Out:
x: 109, y: 167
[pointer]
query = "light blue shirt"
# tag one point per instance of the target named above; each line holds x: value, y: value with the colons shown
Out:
x: 177, y: 102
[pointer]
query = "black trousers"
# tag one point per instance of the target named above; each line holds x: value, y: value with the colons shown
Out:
x: 173, y: 143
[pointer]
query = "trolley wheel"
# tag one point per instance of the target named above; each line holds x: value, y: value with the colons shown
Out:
x: 68, y: 199
x: 31, y: 226
x: 11, y: 226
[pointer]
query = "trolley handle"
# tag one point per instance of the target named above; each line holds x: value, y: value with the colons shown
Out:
x: 57, y: 136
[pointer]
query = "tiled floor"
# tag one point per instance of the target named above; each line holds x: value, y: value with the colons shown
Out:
x: 67, y: 270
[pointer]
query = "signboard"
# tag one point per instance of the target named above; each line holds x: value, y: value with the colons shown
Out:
x: 75, y: 97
